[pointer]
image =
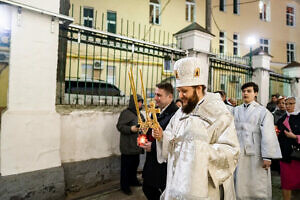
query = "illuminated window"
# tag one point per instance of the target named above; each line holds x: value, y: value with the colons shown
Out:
x: 190, y: 10
x: 264, y: 10
x: 154, y: 12
x: 290, y: 16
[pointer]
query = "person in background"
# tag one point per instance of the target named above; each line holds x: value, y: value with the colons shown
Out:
x: 178, y: 103
x: 154, y: 173
x: 277, y: 114
x: 258, y: 143
x: 223, y: 96
x: 271, y: 106
x: 233, y: 102
x: 289, y: 137
x: 280, y: 110
x: 130, y: 152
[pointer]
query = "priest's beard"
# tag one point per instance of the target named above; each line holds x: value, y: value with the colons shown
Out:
x: 191, y: 104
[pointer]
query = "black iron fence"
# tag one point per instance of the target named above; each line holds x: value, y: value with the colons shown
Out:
x: 280, y: 84
x: 228, y: 74
x: 97, y: 64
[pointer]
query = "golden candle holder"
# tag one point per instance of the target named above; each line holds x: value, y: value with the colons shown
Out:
x: 148, y: 123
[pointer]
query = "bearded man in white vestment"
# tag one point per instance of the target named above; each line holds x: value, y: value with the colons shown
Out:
x: 200, y: 142
x: 258, y: 143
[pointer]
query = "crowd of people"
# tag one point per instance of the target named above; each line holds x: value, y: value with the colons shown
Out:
x: 207, y: 147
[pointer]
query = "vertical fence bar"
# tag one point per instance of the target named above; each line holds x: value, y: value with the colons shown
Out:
x: 70, y: 68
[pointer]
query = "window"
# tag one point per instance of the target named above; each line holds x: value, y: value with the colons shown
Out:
x: 222, y: 5
x: 154, y: 12
x: 190, y: 10
x: 222, y: 42
x: 290, y: 52
x: 111, y: 21
x: 236, y: 6
x: 264, y: 10
x: 111, y: 74
x: 264, y: 45
x: 86, y: 71
x: 88, y: 17
x: 236, y: 51
x: 290, y: 16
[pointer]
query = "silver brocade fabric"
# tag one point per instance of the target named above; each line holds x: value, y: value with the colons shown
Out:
x: 202, y: 152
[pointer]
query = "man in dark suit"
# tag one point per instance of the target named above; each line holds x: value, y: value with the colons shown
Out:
x: 155, y: 174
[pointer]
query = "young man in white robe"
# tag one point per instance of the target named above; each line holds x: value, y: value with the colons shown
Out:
x: 200, y: 142
x: 258, y: 143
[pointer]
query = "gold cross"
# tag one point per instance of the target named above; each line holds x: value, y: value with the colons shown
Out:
x: 154, y: 111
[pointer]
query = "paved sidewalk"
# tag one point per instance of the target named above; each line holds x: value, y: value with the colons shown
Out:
x: 116, y: 194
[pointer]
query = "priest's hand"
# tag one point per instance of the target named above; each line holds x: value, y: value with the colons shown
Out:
x: 157, y: 133
x: 266, y: 164
x: 146, y: 146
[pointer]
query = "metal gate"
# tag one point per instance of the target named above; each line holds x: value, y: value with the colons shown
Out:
x: 97, y: 64
x: 229, y: 74
x: 280, y: 85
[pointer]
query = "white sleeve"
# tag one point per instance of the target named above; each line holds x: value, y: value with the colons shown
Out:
x: 163, y: 145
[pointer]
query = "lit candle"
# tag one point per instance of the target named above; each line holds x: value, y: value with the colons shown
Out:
x: 142, y: 139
